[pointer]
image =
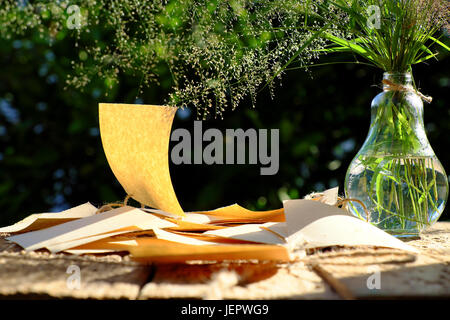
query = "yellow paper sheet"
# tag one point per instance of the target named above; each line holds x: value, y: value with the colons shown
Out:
x: 238, y: 212
x: 148, y: 250
x: 191, y: 226
x: 136, y: 143
x: 159, y: 250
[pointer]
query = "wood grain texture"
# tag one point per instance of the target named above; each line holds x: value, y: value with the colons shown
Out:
x: 426, y: 275
x: 244, y: 281
x: 41, y: 275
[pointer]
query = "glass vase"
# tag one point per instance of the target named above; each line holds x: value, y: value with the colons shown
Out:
x: 400, y: 184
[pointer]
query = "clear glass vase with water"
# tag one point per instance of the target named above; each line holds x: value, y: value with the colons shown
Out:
x: 401, y: 185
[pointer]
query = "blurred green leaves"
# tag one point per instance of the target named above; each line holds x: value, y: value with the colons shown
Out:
x: 50, y: 150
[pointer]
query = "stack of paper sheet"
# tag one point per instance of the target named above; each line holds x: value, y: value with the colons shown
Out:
x: 151, y: 235
x: 136, y: 143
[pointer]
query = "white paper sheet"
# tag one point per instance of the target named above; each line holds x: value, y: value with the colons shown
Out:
x: 62, y: 246
x: 300, y: 213
x: 349, y: 231
x: 251, y: 232
x: 104, y: 222
x: 330, y: 196
x: 89, y: 251
x: 312, y: 224
x: 322, y: 225
x: 38, y: 220
x: 169, y: 236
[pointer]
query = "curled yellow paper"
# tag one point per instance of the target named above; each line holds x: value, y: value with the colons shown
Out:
x: 136, y: 143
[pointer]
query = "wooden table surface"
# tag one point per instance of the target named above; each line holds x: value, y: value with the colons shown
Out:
x: 334, y: 273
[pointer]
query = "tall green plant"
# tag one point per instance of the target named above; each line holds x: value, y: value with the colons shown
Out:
x: 391, y: 34
x: 399, y: 181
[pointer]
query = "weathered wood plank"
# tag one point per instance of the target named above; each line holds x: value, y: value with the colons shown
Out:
x: 428, y: 275
x: 435, y: 242
x: 236, y: 281
x: 402, y: 275
x: 44, y: 275
x: 6, y: 246
x: 423, y: 278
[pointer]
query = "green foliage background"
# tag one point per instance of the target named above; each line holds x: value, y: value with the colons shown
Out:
x: 51, y: 156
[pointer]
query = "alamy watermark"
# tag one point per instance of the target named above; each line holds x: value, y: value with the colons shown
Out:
x: 233, y: 148
x: 74, y: 19
x: 374, y: 19
x: 73, y: 282
x: 374, y: 280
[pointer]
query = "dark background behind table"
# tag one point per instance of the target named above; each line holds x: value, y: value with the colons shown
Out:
x: 51, y: 157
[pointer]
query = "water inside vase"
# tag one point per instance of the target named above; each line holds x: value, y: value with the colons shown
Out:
x: 402, y: 195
